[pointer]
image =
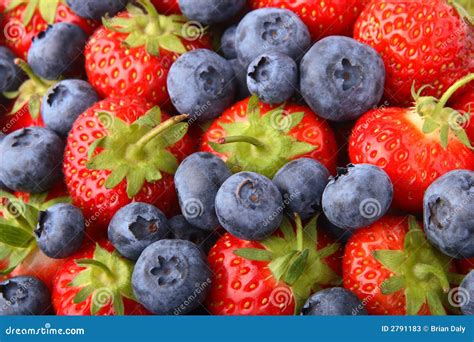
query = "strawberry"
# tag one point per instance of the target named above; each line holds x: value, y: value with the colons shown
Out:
x: 420, y: 41
x: 24, y: 19
x: 394, y: 270
x: 26, y: 108
x: 465, y: 265
x: 275, y: 276
x: 132, y: 53
x: 95, y: 281
x: 415, y: 145
x: 119, y: 151
x: 167, y: 6
x: 464, y: 103
x: 254, y: 136
x: 19, y: 254
x: 323, y: 18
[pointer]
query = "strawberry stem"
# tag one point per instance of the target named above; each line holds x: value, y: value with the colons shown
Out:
x: 27, y: 69
x: 241, y: 139
x: 159, y: 129
x: 447, y: 95
x: 299, y: 232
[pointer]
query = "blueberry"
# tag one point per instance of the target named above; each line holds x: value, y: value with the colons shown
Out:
x: 2, y: 185
x: 273, y: 77
x: 467, y: 292
x: 335, y: 301
x: 341, y: 235
x: 228, y: 43
x: 96, y: 9
x: 64, y: 102
x: 201, y: 84
x: 31, y: 159
x: 240, y: 74
x: 271, y: 30
x: 448, y: 212
x: 249, y: 206
x: 171, y: 277
x: 11, y: 76
x: 135, y: 227
x: 341, y: 79
x: 24, y: 296
x: 358, y: 196
x: 60, y: 230
x: 183, y: 230
x: 301, y: 183
x: 211, y: 11
x: 197, y: 181
x: 57, y: 50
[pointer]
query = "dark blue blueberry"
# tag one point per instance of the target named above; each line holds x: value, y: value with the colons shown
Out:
x: 197, y: 181
x: 273, y: 77
x: 228, y: 43
x: 301, y: 183
x: 340, y: 235
x: 31, y: 159
x: 240, y: 79
x: 341, y: 79
x: 171, y: 277
x: 249, y: 206
x: 182, y: 230
x: 96, y: 9
x: 448, y: 211
x: 11, y: 76
x: 335, y: 301
x: 211, y: 11
x: 60, y: 230
x: 57, y: 51
x: 135, y: 227
x: 358, y: 196
x: 201, y: 84
x: 24, y: 296
x: 2, y: 185
x: 64, y: 102
x: 466, y: 294
x: 271, y: 30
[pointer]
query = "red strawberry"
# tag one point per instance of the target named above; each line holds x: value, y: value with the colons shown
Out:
x: 167, y: 6
x: 95, y: 281
x: 25, y: 111
x: 19, y: 254
x: 323, y: 18
x: 393, y: 269
x: 421, y: 42
x: 120, y: 151
x: 122, y: 60
x: 272, y: 277
x: 464, y: 103
x: 414, y: 146
x: 254, y: 136
x: 465, y: 265
x: 24, y: 19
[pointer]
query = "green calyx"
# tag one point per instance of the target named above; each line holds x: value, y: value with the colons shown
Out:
x: 419, y: 270
x: 106, y: 278
x: 17, y: 225
x: 145, y: 27
x: 137, y: 152
x: 439, y: 118
x: 47, y: 9
x: 262, y: 143
x: 295, y: 260
x: 465, y: 8
x: 31, y: 92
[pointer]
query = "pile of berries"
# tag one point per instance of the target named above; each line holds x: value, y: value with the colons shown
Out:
x: 233, y: 157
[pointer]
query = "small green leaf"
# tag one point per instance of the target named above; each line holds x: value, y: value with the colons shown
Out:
x: 11, y: 94
x: 100, y: 298
x: 29, y: 11
x: 253, y: 109
x: 153, y: 46
x: 152, y: 175
x: 274, y: 243
x: 165, y: 161
x: 172, y: 43
x: 118, y: 305
x: 329, y: 250
x: 48, y: 9
x: 135, y: 181
x: 83, y: 294
x: 423, y: 271
x: 287, y: 229
x: 152, y: 118
x: 430, y: 125
x: 106, y: 160
x: 435, y: 304
x: 135, y: 39
x: 279, y: 266
x: 97, y: 143
x: 462, y: 137
x: 443, y: 135
x: 415, y: 298
x: 116, y: 176
x: 254, y: 254
x: 14, y: 4
x: 83, y: 278
x: 311, y: 230
x: 393, y: 284
x: 390, y: 259
x: 297, y: 268
x: 15, y: 236
x: 34, y: 106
